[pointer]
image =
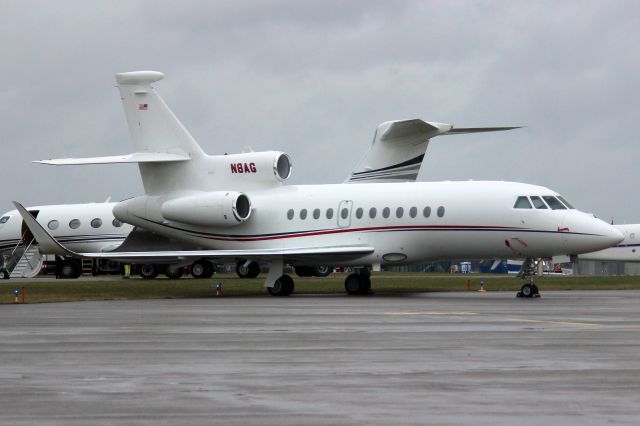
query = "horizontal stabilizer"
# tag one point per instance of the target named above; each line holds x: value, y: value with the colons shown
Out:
x: 49, y: 245
x: 136, y: 157
x: 465, y: 130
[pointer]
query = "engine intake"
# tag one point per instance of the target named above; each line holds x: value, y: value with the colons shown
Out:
x: 219, y: 208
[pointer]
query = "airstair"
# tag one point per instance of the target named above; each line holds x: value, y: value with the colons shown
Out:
x: 25, y: 260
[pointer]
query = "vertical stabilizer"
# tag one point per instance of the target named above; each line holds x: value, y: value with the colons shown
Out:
x: 399, y: 147
x: 397, y: 151
x: 153, y: 127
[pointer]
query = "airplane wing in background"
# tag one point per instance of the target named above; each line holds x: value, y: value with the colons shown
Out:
x: 48, y: 244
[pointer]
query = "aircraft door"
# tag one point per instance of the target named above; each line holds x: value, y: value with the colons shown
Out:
x: 25, y: 232
x: 344, y: 213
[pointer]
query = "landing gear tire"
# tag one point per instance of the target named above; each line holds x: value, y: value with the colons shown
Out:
x: 529, y: 290
x: 69, y: 269
x: 282, y: 287
x: 173, y: 271
x: 4, y: 274
x: 149, y: 271
x: 357, y: 284
x: 202, y: 269
x: 322, y: 271
x: 251, y: 270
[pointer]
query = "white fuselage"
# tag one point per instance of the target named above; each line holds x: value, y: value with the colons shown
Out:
x: 90, y: 235
x: 471, y: 220
x: 628, y: 250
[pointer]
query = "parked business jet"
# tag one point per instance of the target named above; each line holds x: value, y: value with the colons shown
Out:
x: 628, y: 250
x: 83, y: 227
x: 237, y: 207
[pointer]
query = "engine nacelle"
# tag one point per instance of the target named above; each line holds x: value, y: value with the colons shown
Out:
x: 219, y: 208
x: 268, y: 167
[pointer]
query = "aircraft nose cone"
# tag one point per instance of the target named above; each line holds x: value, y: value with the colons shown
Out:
x: 614, y: 235
x: 590, y: 233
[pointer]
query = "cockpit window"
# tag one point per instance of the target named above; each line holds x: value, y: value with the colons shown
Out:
x: 4, y: 219
x: 554, y: 203
x: 538, y: 203
x: 565, y: 202
x: 522, y: 203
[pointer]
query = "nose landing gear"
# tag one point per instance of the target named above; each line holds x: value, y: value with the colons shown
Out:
x: 530, y: 268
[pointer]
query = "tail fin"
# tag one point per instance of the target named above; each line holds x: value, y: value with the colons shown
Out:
x: 397, y: 151
x: 399, y: 147
x: 153, y: 127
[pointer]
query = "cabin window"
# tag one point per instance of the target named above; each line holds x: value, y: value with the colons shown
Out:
x: 4, y: 219
x: 399, y: 212
x: 344, y: 213
x: 96, y: 223
x: 329, y: 213
x: 553, y: 202
x: 118, y: 224
x: 440, y: 211
x: 413, y: 212
x: 426, y: 212
x: 538, y: 203
x: 303, y: 214
x: 373, y: 212
x: 522, y: 203
x: 289, y: 215
x: 565, y: 202
x: 359, y: 212
x: 316, y: 213
x: 53, y: 224
x: 385, y: 212
x: 74, y: 224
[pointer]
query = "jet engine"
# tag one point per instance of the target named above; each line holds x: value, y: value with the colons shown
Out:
x: 219, y: 208
x: 267, y: 167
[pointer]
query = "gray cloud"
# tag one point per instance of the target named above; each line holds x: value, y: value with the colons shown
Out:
x: 315, y: 78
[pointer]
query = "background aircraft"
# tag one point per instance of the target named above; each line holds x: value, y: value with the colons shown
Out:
x: 81, y: 227
x: 628, y: 250
x: 85, y: 227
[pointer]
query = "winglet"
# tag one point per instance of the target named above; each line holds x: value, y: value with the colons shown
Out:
x: 47, y: 243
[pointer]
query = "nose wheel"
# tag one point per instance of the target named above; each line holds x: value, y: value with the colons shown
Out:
x: 529, y: 290
x: 530, y: 268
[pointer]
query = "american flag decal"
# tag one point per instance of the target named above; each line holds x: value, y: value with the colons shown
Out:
x: 143, y: 107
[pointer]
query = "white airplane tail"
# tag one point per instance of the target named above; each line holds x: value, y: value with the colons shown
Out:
x: 153, y: 126
x: 399, y: 147
x: 155, y: 129
x: 170, y: 160
x: 166, y: 153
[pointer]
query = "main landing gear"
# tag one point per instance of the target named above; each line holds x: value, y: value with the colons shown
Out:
x: 358, y: 283
x: 247, y: 269
x: 280, y: 284
x: 529, y: 269
x: 283, y: 286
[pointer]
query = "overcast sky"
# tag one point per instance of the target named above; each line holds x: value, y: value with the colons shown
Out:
x: 315, y: 78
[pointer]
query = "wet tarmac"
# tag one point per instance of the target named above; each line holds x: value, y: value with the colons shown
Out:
x: 434, y: 358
